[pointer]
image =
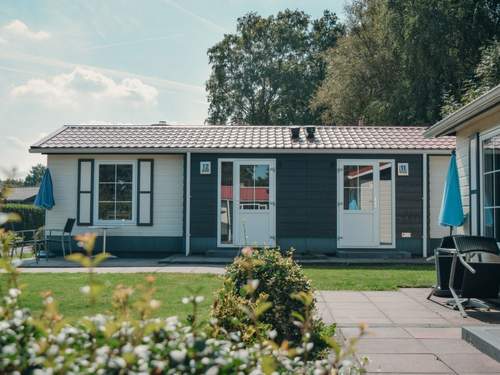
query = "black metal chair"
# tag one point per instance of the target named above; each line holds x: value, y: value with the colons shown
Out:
x: 443, y: 259
x: 472, y: 278
x: 64, y: 234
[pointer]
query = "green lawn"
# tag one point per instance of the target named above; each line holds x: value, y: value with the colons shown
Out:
x: 371, y: 277
x: 172, y: 287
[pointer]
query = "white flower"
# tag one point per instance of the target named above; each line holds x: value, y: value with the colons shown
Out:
x: 309, y: 346
x: 186, y: 300
x: 154, y: 304
x: 254, y: 284
x: 272, y: 334
x: 199, y: 299
x: 14, y: 292
x: 9, y: 349
x: 85, y: 289
x: 178, y: 355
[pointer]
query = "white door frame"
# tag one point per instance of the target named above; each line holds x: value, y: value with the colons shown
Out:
x: 482, y: 137
x: 376, y: 198
x: 237, y: 241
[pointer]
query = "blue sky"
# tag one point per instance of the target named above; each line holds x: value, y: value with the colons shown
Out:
x: 93, y: 61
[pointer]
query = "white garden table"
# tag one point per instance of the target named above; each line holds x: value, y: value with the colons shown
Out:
x: 104, y: 229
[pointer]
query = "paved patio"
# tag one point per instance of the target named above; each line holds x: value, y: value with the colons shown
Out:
x: 407, y: 333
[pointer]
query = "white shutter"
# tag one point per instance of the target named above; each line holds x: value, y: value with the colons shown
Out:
x: 145, y: 192
x: 85, y: 199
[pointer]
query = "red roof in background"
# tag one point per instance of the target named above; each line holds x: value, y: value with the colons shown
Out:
x: 246, y: 193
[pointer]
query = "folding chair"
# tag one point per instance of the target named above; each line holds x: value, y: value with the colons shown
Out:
x: 443, y: 259
x: 480, y: 279
x: 65, y: 234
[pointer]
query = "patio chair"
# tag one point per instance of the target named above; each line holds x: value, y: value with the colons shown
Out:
x: 443, y: 259
x: 64, y: 234
x: 26, y: 238
x: 479, y: 280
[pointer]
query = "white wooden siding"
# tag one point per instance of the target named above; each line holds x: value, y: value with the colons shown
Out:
x: 438, y: 168
x: 480, y: 124
x: 168, y: 194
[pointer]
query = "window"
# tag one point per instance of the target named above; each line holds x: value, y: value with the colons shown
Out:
x: 385, y: 202
x: 254, y: 187
x: 226, y: 202
x: 358, y: 187
x: 491, y: 186
x: 115, y: 192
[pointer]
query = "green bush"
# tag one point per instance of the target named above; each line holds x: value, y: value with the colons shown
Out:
x: 32, y: 217
x: 280, y: 280
x: 127, y: 340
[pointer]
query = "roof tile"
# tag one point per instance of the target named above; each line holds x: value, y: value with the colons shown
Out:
x: 240, y: 137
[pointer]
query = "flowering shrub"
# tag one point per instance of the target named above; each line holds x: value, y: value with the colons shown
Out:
x: 276, y: 279
x: 120, y: 344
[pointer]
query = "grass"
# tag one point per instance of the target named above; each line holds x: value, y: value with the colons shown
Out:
x: 371, y: 277
x: 172, y: 287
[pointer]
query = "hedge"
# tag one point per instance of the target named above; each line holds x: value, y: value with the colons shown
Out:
x: 32, y: 217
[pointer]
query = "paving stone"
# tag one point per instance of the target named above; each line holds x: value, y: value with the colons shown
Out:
x: 344, y: 296
x: 378, y: 333
x: 471, y: 363
x: 391, y: 346
x: 406, y: 364
x: 448, y: 346
x: 435, y: 333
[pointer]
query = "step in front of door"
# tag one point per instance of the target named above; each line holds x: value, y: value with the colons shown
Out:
x: 373, y: 254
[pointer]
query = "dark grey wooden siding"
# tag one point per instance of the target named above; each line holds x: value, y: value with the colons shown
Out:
x: 306, y: 195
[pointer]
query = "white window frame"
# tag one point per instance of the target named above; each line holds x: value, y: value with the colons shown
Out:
x: 340, y: 198
x: 236, y: 197
x: 98, y: 221
x: 483, y: 137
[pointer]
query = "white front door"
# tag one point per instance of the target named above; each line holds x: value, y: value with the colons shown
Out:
x: 365, y: 214
x: 246, y: 202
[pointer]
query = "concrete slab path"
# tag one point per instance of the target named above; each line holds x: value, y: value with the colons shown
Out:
x: 408, y: 334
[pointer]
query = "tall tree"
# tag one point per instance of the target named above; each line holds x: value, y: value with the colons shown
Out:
x: 399, y: 57
x: 267, y: 72
x: 486, y: 76
x: 35, y: 175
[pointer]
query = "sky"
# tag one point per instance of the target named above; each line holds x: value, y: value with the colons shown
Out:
x: 114, y: 61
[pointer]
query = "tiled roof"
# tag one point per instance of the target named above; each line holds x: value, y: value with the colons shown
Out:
x: 21, y: 193
x: 184, y: 137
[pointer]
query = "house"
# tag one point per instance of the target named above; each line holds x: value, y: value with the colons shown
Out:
x: 24, y: 195
x: 193, y: 189
x: 477, y: 130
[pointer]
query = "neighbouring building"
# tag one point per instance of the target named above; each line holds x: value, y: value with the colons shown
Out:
x: 477, y: 130
x: 344, y: 190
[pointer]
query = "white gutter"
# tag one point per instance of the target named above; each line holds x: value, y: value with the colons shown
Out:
x: 188, y: 203
x: 424, y: 205
x: 473, y: 109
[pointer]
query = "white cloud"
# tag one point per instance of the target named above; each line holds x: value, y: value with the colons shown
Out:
x: 20, y: 29
x: 85, y: 83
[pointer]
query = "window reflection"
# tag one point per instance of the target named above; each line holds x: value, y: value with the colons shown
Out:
x: 254, y: 187
x: 226, y: 204
x: 491, y: 187
x: 358, y: 187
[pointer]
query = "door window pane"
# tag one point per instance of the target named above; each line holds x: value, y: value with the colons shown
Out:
x: 226, y: 203
x: 491, y: 187
x: 254, y: 187
x: 115, y: 198
x: 358, y: 187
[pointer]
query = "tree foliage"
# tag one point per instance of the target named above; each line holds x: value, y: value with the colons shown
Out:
x: 267, y: 72
x: 35, y: 175
x: 486, y: 76
x: 399, y: 57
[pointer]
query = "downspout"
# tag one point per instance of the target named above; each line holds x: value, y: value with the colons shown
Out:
x: 188, y: 203
x: 424, y: 204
